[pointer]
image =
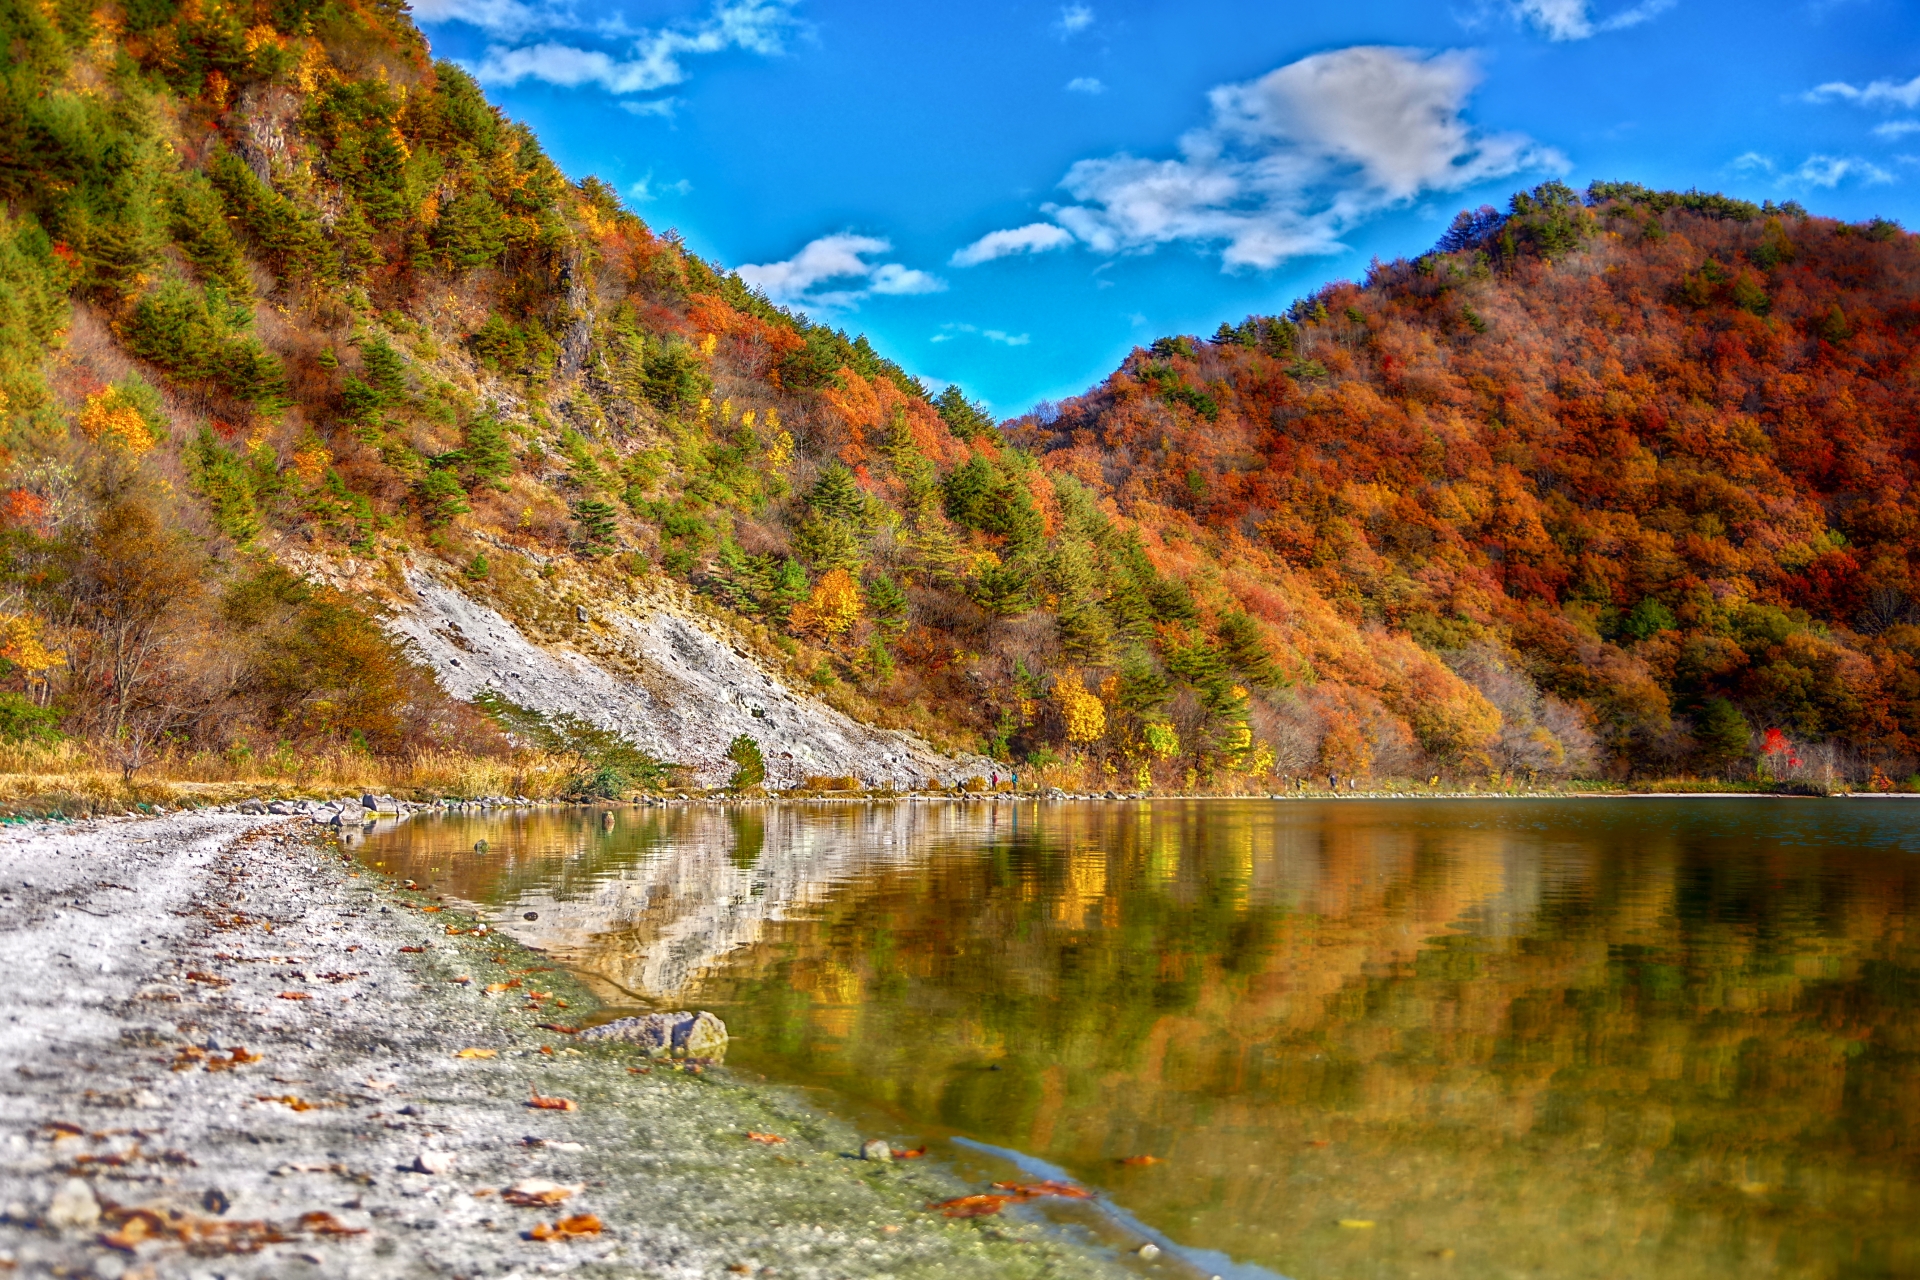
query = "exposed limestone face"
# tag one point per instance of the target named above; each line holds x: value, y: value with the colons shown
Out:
x: 664, y: 679
x: 668, y: 1035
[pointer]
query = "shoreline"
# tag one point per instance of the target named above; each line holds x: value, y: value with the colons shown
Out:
x: 296, y: 802
x: 225, y: 1040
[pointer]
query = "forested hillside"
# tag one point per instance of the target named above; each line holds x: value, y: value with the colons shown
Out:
x: 1607, y: 484
x: 1655, y: 451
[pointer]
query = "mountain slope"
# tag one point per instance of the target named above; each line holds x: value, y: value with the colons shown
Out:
x: 307, y: 352
x: 1656, y: 450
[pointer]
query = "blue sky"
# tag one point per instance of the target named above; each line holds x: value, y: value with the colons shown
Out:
x: 1012, y: 195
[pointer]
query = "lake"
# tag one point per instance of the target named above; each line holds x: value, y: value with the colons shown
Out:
x: 1543, y: 1038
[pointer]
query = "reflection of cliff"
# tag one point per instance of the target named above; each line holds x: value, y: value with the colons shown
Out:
x: 1588, y: 1048
x: 650, y: 902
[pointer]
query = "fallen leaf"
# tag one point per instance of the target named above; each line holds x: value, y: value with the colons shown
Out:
x: 1034, y: 1190
x: 537, y: 1192
x: 289, y: 1101
x: 213, y: 979
x: 478, y: 1053
x: 581, y: 1224
x: 294, y: 995
x: 464, y: 980
x: 61, y: 1129
x: 1356, y: 1224
x: 495, y: 988
x: 972, y: 1206
x: 771, y: 1139
x: 412, y: 950
x: 320, y: 1223
x: 914, y: 1154
x: 431, y: 910
x: 559, y: 1028
x: 552, y: 1104
x: 1141, y: 1160
x: 1320, y: 1142
x: 238, y: 1058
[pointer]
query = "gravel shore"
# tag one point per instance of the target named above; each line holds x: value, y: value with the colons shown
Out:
x: 227, y: 1052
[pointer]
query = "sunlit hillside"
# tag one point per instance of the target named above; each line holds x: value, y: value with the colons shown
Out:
x: 1614, y: 483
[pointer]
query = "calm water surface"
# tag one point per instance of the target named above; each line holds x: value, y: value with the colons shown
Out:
x: 1664, y: 1038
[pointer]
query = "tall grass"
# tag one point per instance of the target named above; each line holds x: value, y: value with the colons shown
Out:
x: 72, y: 775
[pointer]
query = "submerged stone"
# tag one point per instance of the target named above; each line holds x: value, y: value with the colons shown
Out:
x: 668, y: 1035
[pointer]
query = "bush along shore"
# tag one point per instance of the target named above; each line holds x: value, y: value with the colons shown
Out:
x: 231, y: 1051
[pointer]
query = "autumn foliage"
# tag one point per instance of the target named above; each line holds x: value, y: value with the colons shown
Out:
x: 1605, y: 483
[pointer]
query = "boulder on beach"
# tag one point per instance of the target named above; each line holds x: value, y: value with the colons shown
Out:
x: 668, y: 1035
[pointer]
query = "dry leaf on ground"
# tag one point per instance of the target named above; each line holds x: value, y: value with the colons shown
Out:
x: 552, y: 1104
x: 580, y: 1224
x: 294, y: 995
x: 769, y: 1138
x: 478, y: 1053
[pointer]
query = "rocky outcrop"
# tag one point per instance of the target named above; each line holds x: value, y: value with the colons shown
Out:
x: 669, y: 680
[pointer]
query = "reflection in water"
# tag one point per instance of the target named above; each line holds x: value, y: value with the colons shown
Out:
x: 1565, y: 1039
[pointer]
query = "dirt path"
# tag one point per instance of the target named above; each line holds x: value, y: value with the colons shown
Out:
x: 226, y: 1053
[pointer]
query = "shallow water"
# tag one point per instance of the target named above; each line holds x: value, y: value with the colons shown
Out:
x: 1602, y: 1038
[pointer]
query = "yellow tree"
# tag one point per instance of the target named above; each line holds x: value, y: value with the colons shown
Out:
x: 831, y: 609
x: 110, y: 417
x: 1080, y: 711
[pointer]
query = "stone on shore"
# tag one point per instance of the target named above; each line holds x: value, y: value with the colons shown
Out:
x: 668, y: 1035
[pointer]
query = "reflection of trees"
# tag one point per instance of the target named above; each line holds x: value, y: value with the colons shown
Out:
x: 1683, y: 1047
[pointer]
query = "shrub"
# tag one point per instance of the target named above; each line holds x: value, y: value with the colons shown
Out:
x: 749, y: 766
x: 23, y: 720
x: 198, y: 336
x: 441, y: 497
x: 230, y: 486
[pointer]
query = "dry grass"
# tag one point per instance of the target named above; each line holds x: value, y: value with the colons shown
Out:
x: 73, y: 776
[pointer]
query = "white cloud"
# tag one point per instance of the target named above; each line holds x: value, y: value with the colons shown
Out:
x: 506, y: 17
x: 840, y: 259
x: 1288, y: 162
x: 654, y: 61
x: 1881, y: 93
x: 1085, y: 84
x: 892, y: 278
x: 652, y: 107
x: 1829, y: 171
x: 1074, y: 18
x: 646, y: 191
x: 1896, y: 128
x: 948, y: 332
x: 1574, y: 20
x: 1035, y: 237
x: 1816, y: 170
